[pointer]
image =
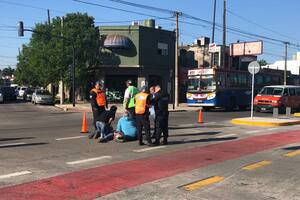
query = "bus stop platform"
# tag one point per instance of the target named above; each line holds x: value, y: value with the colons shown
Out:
x: 266, y: 121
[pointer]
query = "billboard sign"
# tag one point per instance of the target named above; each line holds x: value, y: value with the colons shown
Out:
x: 213, y: 48
x: 200, y: 71
x: 246, y: 48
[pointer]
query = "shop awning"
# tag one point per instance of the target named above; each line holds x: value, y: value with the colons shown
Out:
x: 117, y: 41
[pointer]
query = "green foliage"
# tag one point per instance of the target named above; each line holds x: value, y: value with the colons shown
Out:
x: 262, y: 62
x: 8, y: 71
x: 47, y: 56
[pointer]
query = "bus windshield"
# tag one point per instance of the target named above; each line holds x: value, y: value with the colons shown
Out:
x: 201, y: 83
x: 271, y: 91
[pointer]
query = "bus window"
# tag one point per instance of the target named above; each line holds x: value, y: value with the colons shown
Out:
x: 285, y: 92
x: 292, y: 91
x: 221, y: 81
x: 298, y: 91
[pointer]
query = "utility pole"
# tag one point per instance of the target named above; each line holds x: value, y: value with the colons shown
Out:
x: 176, y: 61
x: 285, y: 63
x: 224, y: 35
x: 213, y: 33
x: 48, y: 13
x: 61, y: 84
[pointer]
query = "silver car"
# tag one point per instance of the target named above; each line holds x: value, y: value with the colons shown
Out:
x: 1, y: 97
x: 42, y: 97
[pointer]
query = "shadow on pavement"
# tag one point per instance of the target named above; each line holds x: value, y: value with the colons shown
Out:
x: 24, y: 145
x: 197, y: 126
x: 196, y: 134
x: 292, y: 148
x: 202, y: 140
x: 21, y: 138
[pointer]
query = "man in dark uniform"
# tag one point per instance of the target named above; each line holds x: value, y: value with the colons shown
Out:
x: 161, y: 101
x: 98, y: 104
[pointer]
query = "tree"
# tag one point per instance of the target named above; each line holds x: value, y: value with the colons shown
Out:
x: 47, y: 56
x: 8, y: 71
x: 262, y: 62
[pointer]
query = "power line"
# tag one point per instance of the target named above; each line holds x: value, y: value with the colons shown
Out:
x: 113, y: 8
x: 261, y: 26
x: 128, y: 21
x: 28, y: 6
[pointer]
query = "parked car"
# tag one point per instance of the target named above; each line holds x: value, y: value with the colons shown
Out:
x: 278, y: 96
x: 1, y: 97
x: 42, y: 97
x: 8, y: 93
x: 114, y: 96
x: 21, y: 91
x: 28, y: 94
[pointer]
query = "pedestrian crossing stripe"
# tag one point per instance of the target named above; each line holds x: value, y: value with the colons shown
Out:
x: 257, y: 165
x: 292, y: 153
x: 202, y: 183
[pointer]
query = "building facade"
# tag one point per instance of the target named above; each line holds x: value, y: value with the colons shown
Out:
x: 140, y: 52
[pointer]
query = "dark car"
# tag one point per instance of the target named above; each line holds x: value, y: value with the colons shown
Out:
x: 8, y: 93
x: 27, y: 96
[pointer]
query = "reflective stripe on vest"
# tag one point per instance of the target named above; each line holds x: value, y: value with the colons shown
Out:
x: 101, y: 100
x: 141, y: 103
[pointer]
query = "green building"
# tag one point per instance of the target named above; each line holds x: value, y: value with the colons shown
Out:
x: 143, y: 53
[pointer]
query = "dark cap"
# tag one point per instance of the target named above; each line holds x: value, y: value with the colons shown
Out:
x: 129, y: 82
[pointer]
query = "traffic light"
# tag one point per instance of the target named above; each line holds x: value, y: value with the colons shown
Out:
x: 20, y: 29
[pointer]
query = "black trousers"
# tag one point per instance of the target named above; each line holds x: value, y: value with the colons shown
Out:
x: 96, y: 113
x: 142, y: 121
x: 162, y: 127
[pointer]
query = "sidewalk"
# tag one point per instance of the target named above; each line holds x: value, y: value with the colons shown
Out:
x: 264, y: 121
x: 86, y: 107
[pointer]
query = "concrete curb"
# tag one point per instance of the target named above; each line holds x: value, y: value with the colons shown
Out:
x: 262, y: 123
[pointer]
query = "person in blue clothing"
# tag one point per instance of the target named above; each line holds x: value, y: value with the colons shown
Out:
x: 126, y: 129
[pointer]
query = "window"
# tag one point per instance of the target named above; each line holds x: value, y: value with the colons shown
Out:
x: 162, y: 49
x: 292, y: 91
x: 298, y: 91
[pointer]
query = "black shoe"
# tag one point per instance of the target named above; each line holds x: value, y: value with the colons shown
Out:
x: 165, y: 142
x: 101, y: 140
x: 141, y: 143
x: 91, y: 136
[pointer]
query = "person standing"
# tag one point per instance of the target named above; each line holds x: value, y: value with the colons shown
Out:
x: 152, y: 110
x: 98, y: 104
x: 129, y: 95
x: 142, y: 104
x: 161, y: 101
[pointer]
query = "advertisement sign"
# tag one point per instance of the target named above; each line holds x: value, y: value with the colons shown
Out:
x: 213, y: 48
x: 246, y: 48
x: 200, y: 71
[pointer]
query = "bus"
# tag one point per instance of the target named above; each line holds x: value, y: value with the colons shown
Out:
x: 229, y: 89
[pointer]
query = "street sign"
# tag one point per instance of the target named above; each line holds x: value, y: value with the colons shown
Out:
x: 253, y: 67
x: 213, y: 48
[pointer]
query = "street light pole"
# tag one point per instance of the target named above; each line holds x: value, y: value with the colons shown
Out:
x: 285, y: 63
x: 176, y: 61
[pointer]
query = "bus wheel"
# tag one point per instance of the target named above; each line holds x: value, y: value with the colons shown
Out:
x: 242, y: 107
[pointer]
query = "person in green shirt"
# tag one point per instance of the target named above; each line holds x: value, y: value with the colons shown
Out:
x: 129, y: 95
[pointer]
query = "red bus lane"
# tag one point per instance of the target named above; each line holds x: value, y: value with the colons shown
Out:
x: 100, y: 181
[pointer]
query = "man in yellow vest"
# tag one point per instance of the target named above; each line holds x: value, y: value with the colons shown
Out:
x: 142, y: 104
x: 98, y: 103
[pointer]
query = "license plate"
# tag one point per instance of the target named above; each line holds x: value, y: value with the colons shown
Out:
x: 199, y: 101
x: 263, y: 109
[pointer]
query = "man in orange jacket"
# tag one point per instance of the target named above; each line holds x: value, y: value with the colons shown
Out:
x: 98, y: 103
x: 142, y: 104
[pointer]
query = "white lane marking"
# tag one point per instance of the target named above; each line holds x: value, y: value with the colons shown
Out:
x: 88, y: 160
x: 272, y: 129
x: 12, y: 144
x: 15, y: 174
x: 209, y: 123
x: 255, y: 131
x: 148, y: 149
x: 70, y: 138
x: 227, y: 135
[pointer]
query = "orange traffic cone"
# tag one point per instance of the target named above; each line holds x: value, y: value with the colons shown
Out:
x: 200, y: 120
x: 84, y: 124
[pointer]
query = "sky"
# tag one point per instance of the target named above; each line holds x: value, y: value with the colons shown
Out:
x: 276, y: 19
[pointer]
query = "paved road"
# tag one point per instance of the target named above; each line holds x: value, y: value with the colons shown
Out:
x: 42, y: 141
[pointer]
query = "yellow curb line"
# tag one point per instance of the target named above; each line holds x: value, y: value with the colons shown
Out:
x: 292, y: 153
x: 296, y: 114
x: 202, y: 183
x: 258, y: 123
x: 257, y: 165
